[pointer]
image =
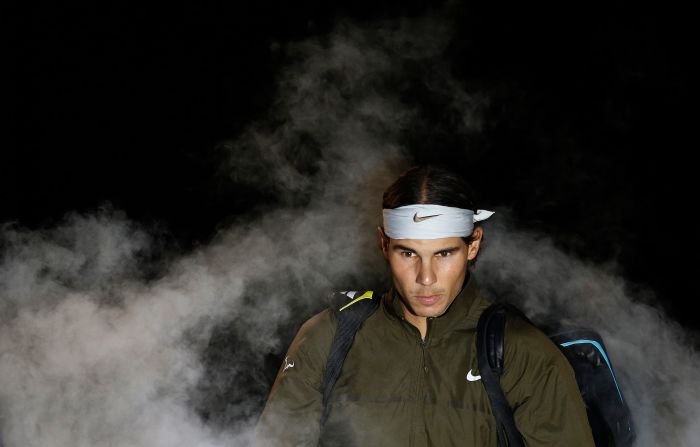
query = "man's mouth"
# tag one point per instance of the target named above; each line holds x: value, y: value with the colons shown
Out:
x: 428, y: 300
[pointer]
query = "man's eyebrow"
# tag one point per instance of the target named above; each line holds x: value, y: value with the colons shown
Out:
x: 399, y: 247
x: 448, y: 249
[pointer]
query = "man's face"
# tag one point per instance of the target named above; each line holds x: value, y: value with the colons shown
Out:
x: 428, y: 273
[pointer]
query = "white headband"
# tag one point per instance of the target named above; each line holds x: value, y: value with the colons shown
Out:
x: 431, y: 221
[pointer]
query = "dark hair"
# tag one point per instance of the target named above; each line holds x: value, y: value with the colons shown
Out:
x: 430, y: 184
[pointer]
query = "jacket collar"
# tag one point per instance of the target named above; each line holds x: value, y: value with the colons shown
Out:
x: 461, y: 314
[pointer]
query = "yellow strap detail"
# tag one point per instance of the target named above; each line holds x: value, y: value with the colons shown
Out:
x: 367, y: 295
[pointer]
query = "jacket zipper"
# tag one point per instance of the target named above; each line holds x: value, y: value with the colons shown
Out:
x: 420, y: 381
x: 419, y: 434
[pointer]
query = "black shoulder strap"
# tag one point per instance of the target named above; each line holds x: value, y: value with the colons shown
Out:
x: 489, y: 350
x: 352, y: 310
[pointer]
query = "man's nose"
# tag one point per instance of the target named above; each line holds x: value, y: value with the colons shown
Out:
x: 426, y: 275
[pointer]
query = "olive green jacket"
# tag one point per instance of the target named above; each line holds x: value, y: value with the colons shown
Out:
x: 396, y: 389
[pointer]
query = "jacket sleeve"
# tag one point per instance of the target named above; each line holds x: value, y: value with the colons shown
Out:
x: 540, y: 386
x: 292, y: 414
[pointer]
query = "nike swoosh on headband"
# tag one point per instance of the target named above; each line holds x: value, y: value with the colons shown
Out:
x: 417, y: 219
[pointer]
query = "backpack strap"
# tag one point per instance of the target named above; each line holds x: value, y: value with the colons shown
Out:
x: 352, y: 309
x: 489, y: 350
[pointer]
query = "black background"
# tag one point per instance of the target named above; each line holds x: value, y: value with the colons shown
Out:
x: 588, y: 134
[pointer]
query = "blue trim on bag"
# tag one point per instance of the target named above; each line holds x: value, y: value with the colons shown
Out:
x: 602, y: 351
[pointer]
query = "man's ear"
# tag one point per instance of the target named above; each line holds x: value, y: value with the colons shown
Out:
x: 473, y: 248
x: 383, y: 242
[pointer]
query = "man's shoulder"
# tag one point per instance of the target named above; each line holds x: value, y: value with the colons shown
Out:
x: 321, y: 325
x: 315, y: 335
x: 324, y: 324
x: 530, y: 351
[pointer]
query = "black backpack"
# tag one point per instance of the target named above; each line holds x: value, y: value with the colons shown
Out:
x: 608, y: 413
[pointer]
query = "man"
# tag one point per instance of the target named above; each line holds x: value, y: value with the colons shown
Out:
x: 411, y: 376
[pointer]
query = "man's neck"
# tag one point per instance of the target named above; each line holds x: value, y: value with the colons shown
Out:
x: 421, y: 323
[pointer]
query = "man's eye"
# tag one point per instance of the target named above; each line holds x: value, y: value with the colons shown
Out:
x: 444, y: 253
x: 407, y: 254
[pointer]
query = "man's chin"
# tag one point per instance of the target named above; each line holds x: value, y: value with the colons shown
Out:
x: 429, y: 311
x: 425, y: 307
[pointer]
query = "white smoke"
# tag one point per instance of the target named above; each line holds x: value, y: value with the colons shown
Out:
x: 93, y: 351
x: 653, y: 357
